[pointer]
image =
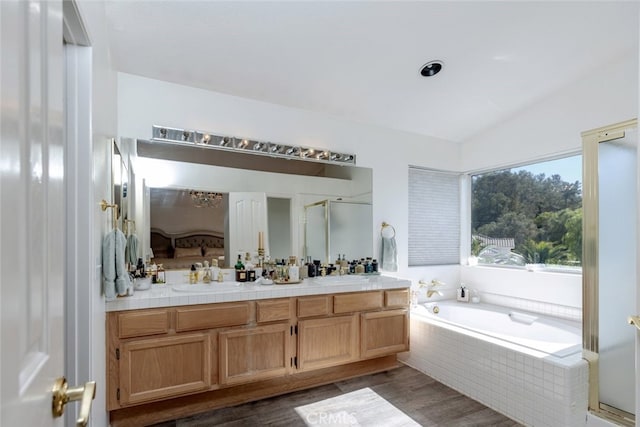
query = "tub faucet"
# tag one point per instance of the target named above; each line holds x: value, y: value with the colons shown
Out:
x: 431, y: 285
x: 431, y: 292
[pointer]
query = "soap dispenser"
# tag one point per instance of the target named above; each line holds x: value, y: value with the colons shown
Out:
x: 462, y: 294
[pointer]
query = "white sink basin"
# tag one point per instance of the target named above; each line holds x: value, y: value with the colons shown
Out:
x: 208, y: 287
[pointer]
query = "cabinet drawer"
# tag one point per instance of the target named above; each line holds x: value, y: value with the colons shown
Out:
x: 143, y: 323
x: 273, y: 310
x: 211, y: 317
x: 396, y: 298
x: 362, y: 301
x: 313, y: 306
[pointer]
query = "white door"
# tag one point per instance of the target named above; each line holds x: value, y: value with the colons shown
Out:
x: 247, y: 218
x: 31, y: 211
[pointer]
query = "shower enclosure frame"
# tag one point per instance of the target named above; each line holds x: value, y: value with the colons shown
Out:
x: 590, y: 262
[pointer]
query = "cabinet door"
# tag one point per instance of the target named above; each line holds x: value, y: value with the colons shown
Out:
x: 327, y: 342
x: 156, y: 368
x: 254, y: 354
x: 384, y: 332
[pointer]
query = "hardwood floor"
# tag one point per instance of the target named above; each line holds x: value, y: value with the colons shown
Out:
x: 426, y: 401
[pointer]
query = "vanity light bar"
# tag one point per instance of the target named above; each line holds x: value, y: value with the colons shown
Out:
x: 231, y: 143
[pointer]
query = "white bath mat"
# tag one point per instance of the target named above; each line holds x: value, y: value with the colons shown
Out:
x: 362, y: 407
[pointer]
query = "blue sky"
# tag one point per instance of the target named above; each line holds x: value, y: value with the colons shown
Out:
x: 569, y: 168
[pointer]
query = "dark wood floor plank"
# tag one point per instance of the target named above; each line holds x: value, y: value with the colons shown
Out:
x: 426, y: 401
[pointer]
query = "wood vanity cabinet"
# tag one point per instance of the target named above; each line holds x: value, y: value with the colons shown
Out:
x: 384, y: 332
x: 254, y: 354
x: 327, y: 341
x: 157, y: 368
x: 163, y: 353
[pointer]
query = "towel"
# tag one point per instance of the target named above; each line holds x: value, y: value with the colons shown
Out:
x: 389, y: 254
x: 131, y: 252
x: 114, y: 272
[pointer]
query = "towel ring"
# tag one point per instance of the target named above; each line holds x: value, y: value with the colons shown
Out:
x: 385, y: 233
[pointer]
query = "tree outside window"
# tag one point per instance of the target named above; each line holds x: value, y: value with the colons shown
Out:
x: 530, y: 215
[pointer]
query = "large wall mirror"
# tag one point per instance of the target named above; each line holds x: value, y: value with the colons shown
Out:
x: 202, y: 204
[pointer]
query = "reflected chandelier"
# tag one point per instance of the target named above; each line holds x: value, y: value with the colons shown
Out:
x: 205, y: 199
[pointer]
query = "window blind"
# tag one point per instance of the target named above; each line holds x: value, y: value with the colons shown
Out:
x: 434, y: 217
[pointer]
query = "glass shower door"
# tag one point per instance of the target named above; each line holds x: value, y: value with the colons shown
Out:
x: 617, y: 203
x: 609, y: 268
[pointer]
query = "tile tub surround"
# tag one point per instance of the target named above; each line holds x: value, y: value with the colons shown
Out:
x: 164, y: 295
x: 533, y: 389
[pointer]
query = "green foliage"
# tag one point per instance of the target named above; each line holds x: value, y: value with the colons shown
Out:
x: 542, y: 252
x: 511, y: 224
x: 542, y: 214
x: 476, y: 246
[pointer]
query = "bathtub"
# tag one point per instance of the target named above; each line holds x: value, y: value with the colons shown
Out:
x: 536, y: 332
x: 524, y: 365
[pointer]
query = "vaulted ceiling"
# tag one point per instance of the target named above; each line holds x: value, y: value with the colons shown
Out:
x: 361, y: 60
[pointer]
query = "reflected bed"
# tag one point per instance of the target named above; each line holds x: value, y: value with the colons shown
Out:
x: 181, y: 250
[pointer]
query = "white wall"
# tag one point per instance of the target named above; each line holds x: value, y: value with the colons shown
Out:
x: 182, y: 219
x: 103, y: 127
x: 144, y: 102
x: 549, y: 128
x: 553, y: 125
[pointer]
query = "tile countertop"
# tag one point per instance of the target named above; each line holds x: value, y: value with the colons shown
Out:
x: 166, y: 296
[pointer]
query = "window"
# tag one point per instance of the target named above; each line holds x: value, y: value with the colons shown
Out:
x: 434, y: 217
x: 529, y: 216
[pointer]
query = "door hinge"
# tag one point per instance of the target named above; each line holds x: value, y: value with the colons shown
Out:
x: 117, y: 354
x: 118, y: 394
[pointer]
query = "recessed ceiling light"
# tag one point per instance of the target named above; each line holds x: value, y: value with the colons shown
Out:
x: 431, y: 68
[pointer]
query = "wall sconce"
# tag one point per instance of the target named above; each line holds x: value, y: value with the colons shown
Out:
x: 231, y: 143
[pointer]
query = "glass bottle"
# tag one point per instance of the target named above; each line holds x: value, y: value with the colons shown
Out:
x: 193, y: 275
x: 241, y: 273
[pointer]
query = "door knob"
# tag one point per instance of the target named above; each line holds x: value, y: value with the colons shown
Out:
x: 62, y: 394
x: 634, y: 320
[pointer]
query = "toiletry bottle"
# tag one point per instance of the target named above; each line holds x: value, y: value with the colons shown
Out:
x: 161, y: 274
x: 239, y: 265
x: 241, y: 273
x: 140, y: 268
x: 294, y: 273
x: 311, y: 268
x: 193, y: 274
x: 206, y: 276
x: 374, y: 266
x: 153, y: 268
x: 249, y: 267
x: 343, y: 262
